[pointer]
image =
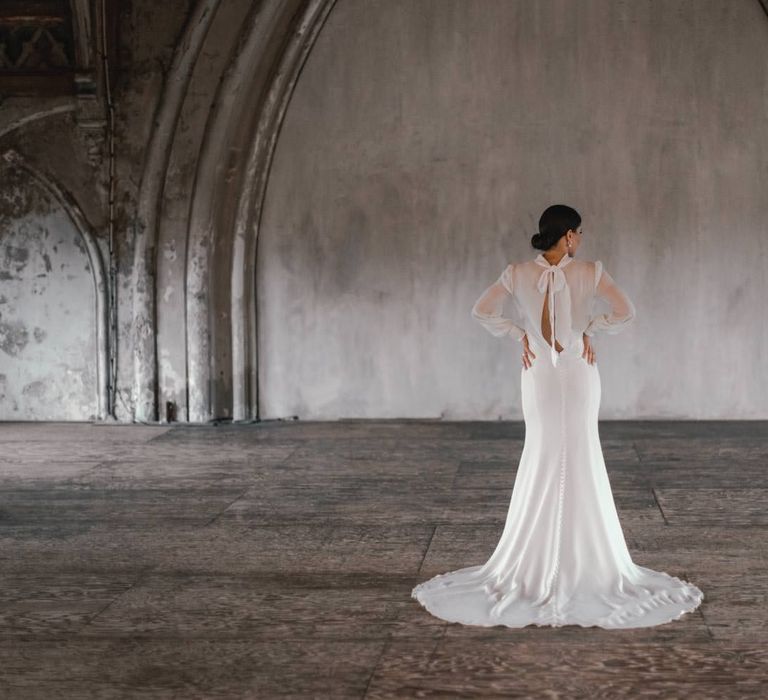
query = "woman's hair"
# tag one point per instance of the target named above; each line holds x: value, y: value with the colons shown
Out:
x: 554, y: 223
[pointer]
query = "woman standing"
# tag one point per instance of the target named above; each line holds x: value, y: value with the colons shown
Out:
x: 562, y: 558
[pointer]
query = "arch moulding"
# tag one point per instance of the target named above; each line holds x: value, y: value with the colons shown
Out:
x: 226, y: 198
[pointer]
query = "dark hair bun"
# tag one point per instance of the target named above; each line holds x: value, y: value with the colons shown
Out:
x: 554, y: 223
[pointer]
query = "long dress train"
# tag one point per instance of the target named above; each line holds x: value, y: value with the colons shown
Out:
x: 562, y: 558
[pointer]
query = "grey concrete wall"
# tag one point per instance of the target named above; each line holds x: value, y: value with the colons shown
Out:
x: 48, y: 353
x: 422, y: 143
x: 410, y: 165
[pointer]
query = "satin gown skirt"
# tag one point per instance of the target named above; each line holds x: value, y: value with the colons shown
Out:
x: 562, y: 558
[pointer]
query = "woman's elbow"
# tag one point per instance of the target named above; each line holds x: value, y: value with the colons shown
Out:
x: 478, y: 313
x: 622, y: 320
x: 631, y: 313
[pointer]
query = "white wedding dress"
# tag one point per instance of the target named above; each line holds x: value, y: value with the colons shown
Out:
x: 562, y: 558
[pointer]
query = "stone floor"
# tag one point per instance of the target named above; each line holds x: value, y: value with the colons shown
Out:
x: 277, y: 559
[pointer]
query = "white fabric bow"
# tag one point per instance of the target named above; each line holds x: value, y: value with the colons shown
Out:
x: 553, y: 278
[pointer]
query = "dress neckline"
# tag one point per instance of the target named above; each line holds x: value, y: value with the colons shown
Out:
x: 541, y: 260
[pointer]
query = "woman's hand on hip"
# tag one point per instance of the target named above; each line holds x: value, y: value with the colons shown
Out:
x: 589, y: 351
x: 527, y: 353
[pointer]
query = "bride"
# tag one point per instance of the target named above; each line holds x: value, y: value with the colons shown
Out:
x: 562, y: 558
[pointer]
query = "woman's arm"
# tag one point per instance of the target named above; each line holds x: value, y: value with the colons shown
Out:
x: 622, y: 309
x: 488, y: 308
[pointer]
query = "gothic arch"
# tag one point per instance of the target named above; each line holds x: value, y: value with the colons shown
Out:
x: 101, y: 291
x: 224, y: 197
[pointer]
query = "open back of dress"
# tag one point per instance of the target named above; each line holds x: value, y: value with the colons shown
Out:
x: 546, y: 326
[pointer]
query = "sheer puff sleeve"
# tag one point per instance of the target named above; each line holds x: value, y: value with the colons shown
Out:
x: 622, y: 309
x: 488, y: 308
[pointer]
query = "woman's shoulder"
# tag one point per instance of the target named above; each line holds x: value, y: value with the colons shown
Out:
x: 523, y: 264
x: 589, y: 266
x: 592, y: 269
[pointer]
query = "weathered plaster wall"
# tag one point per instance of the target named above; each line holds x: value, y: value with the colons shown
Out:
x: 198, y: 98
x: 421, y: 145
x: 48, y: 353
x: 416, y: 145
x: 60, y: 138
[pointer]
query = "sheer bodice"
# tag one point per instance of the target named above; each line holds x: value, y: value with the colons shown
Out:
x: 569, y: 290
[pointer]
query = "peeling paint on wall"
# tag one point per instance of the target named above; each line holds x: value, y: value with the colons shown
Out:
x: 13, y: 337
x: 47, y: 309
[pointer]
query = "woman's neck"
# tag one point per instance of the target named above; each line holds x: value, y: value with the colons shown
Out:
x: 553, y: 258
